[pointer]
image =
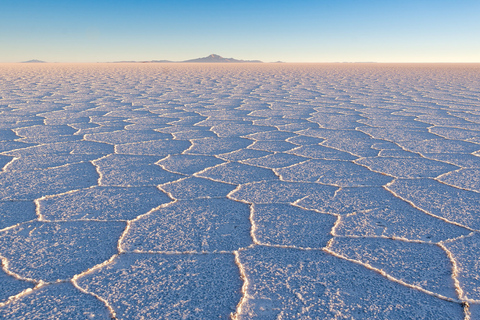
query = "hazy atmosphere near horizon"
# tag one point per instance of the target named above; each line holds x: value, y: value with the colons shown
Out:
x: 133, y: 186
x: 292, y: 31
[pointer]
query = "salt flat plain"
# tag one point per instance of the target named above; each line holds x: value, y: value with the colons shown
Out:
x: 259, y: 191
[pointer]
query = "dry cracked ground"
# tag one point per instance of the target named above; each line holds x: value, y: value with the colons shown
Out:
x: 273, y: 191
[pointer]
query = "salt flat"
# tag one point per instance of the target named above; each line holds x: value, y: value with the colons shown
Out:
x: 259, y: 191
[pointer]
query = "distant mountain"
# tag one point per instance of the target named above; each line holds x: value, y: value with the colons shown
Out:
x: 215, y: 58
x: 34, y: 61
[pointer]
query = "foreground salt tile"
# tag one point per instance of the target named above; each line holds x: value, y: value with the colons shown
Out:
x: 298, y: 284
x: 286, y: 225
x: 203, y: 225
x: 280, y: 191
x: 50, y: 251
x: 187, y: 163
x: 466, y: 251
x: 146, y: 286
x: 338, y: 173
x: 464, y: 179
x: 373, y: 211
x: 28, y: 185
x: 237, y: 173
x: 407, y: 167
x: 213, y: 146
x: 56, y: 301
x: 398, y: 220
x: 453, y: 204
x: 154, y: 147
x: 400, y: 259
x: 193, y: 187
x: 122, y: 136
x: 13, y: 212
x: 102, y: 203
x: 10, y: 286
x: 129, y: 170
x: 321, y: 152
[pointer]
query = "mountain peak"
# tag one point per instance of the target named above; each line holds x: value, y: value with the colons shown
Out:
x: 34, y: 61
x: 215, y: 58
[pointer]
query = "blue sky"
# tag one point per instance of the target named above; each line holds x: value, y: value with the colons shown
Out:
x: 292, y: 31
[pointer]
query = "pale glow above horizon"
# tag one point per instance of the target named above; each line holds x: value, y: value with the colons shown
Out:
x: 310, y: 31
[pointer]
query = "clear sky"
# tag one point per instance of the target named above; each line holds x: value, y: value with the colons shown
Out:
x: 270, y: 30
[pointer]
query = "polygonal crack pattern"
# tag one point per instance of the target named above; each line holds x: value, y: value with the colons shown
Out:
x: 240, y: 191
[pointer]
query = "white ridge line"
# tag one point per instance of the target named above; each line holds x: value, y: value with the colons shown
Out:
x: 245, y: 296
x: 455, y: 271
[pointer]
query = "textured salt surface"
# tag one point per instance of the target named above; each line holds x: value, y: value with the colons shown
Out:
x: 240, y: 191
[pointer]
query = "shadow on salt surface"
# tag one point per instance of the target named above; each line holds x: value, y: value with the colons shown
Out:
x: 190, y: 286
x: 466, y: 252
x: 193, y: 187
x: 130, y: 170
x: 202, y: 225
x: 453, y: 204
x: 28, y: 185
x: 4, y: 160
x: 400, y: 259
x: 13, y: 212
x: 237, y: 173
x: 56, y: 301
x: 297, y: 284
x: 8, y: 135
x: 338, y: 173
x: 102, y: 203
x: 50, y: 251
x: 286, y: 225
